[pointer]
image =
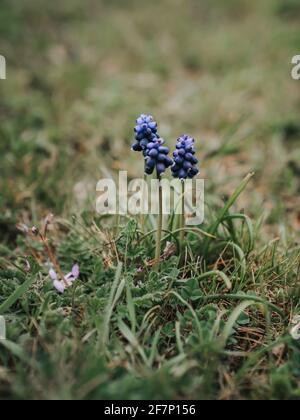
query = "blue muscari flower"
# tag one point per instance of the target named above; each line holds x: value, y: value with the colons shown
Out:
x: 185, y: 162
x: 145, y: 132
x: 157, y: 157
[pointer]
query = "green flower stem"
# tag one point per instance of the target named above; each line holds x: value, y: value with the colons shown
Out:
x: 159, y: 227
x: 224, y: 211
x: 182, y: 223
x: 143, y: 216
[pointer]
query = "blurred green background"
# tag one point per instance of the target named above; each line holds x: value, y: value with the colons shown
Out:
x: 78, y: 74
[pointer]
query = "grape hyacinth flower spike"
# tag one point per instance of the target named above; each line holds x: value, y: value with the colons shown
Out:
x: 185, y: 161
x: 185, y: 167
x: 145, y: 132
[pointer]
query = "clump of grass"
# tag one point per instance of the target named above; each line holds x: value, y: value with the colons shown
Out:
x: 122, y: 329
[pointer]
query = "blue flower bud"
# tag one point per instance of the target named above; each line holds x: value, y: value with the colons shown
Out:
x: 136, y: 147
x: 181, y: 152
x: 151, y: 163
x: 161, y: 157
x: 153, y: 153
x: 161, y: 169
x: 179, y: 160
x: 145, y: 132
x: 168, y: 161
x: 193, y: 172
x: 164, y: 150
x: 189, y: 157
x: 182, y: 174
x: 187, y: 165
x: 144, y: 143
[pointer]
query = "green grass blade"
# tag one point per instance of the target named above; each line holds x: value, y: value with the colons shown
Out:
x: 131, y: 308
x: 223, y: 213
x: 227, y: 332
x: 18, y: 293
x: 110, y: 307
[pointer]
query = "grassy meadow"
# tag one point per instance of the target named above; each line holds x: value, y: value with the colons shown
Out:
x: 215, y: 322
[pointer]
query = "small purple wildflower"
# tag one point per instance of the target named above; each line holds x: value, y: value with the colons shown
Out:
x: 62, y: 285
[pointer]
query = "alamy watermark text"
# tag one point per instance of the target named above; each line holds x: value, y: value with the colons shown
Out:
x: 140, y: 197
x: 2, y: 68
x: 2, y: 328
x: 296, y: 68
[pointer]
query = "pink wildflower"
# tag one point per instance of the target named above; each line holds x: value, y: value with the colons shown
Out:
x: 62, y: 285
